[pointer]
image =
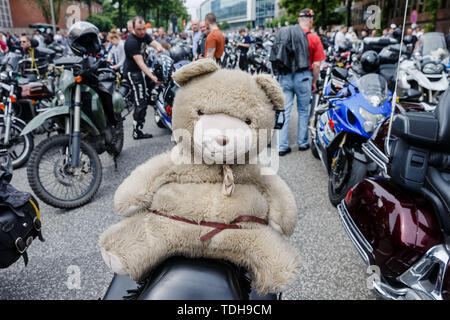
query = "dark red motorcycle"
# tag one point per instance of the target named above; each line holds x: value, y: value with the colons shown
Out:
x: 400, y: 220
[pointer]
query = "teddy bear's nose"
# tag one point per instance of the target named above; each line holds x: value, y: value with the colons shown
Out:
x: 222, y: 140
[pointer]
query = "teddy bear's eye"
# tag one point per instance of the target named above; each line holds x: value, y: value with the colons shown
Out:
x: 200, y: 112
x: 248, y: 121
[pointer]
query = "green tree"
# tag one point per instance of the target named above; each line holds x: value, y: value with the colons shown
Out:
x: 324, y: 10
x: 103, y: 23
x: 432, y: 7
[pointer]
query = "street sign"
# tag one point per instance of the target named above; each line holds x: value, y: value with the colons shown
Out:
x: 414, y: 16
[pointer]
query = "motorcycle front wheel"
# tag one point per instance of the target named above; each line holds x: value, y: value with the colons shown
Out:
x: 346, y: 173
x: 53, y: 179
x: 22, y: 146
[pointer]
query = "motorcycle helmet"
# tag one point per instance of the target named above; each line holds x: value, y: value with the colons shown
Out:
x: 397, y: 34
x: 163, y: 68
x: 177, y: 53
x: 83, y: 39
x: 370, y: 61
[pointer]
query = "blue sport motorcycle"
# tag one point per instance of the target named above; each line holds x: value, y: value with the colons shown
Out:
x: 345, y: 117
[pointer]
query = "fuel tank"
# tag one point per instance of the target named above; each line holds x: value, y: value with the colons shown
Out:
x: 397, y: 227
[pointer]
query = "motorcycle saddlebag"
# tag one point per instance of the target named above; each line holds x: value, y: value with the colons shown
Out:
x: 19, y: 225
x: 35, y: 90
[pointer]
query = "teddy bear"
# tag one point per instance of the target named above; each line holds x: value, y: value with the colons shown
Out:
x: 208, y: 197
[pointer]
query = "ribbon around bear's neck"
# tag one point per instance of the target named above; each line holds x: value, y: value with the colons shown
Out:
x: 228, y: 181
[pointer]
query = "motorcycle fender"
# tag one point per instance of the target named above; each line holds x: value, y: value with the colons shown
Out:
x: 360, y: 156
x: 394, y: 227
x: 55, y: 112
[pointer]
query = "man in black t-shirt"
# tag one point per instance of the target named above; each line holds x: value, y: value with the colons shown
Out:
x: 243, y: 47
x: 134, y: 69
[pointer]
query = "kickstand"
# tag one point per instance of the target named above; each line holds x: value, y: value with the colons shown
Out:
x: 115, y: 163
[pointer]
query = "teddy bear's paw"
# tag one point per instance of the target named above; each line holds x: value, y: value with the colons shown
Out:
x: 113, y: 262
x: 275, y: 226
x: 129, y: 211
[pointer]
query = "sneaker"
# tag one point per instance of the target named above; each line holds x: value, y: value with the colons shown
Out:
x: 138, y: 133
x: 304, y: 148
x: 283, y: 153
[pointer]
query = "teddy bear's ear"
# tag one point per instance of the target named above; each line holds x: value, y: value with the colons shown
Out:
x: 272, y: 90
x: 194, y: 69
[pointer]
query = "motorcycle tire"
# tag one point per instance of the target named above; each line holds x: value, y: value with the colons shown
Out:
x: 159, y: 121
x: 356, y: 173
x: 18, y: 160
x: 314, y: 151
x: 61, y: 142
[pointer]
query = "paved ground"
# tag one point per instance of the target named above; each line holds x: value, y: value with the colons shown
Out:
x: 331, y: 269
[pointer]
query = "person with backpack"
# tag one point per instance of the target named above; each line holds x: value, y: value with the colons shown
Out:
x: 296, y: 56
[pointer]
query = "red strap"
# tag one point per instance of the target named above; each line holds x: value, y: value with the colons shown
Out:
x: 217, y: 225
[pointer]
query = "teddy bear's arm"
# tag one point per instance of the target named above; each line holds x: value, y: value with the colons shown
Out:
x: 136, y: 191
x: 282, y: 206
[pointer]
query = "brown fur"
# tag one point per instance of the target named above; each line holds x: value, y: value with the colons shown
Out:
x: 193, y: 191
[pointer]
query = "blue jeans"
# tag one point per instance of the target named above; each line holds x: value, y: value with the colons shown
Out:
x: 300, y: 86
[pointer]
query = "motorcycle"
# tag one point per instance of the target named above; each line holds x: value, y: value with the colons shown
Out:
x: 399, y: 221
x: 426, y: 71
x: 162, y: 96
x: 65, y: 170
x: 345, y: 117
x: 11, y: 127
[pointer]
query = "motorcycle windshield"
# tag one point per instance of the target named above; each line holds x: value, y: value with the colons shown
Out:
x: 433, y: 44
x: 374, y: 88
x: 10, y: 61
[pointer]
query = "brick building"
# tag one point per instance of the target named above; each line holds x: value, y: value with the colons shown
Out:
x: 21, y: 13
x: 396, y: 13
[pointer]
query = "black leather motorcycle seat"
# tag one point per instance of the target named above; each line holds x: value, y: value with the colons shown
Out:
x: 439, y: 183
x: 68, y: 61
x: 181, y: 278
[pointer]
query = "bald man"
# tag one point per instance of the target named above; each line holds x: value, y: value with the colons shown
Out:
x: 196, y: 36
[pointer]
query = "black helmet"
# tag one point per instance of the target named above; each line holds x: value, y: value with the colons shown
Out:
x: 83, y: 38
x: 178, y: 53
x: 370, y: 61
x: 397, y: 34
x: 163, y: 68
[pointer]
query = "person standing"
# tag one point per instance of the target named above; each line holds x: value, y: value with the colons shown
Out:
x: 116, y: 53
x: 202, y: 42
x: 196, y: 36
x: 243, y: 47
x: 301, y: 82
x: 135, y: 70
x: 340, y: 39
x: 215, y: 42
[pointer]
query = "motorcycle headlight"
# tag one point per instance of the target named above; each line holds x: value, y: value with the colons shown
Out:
x: 371, y: 119
x: 431, y: 68
x: 375, y: 101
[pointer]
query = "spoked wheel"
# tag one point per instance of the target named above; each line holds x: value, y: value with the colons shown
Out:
x: 21, y: 146
x: 53, y: 179
x: 345, y: 173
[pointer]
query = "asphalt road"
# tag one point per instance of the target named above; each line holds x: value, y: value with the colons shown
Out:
x: 331, y: 267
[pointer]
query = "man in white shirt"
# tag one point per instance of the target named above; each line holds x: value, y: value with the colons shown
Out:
x: 340, y: 38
